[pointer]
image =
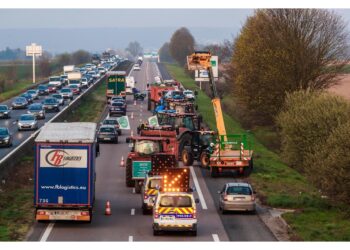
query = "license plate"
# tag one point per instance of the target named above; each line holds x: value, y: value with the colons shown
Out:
x: 107, y: 139
x: 167, y: 218
x: 49, y: 107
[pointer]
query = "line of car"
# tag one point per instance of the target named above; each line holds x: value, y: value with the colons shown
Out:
x: 56, y: 93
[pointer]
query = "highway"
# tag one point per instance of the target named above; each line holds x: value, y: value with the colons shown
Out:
x: 127, y: 222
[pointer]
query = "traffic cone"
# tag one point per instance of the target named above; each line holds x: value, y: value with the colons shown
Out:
x: 132, y: 133
x: 122, y: 162
x: 135, y: 102
x: 108, y: 210
x: 132, y: 115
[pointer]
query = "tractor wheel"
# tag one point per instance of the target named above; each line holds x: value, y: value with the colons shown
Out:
x: 185, y: 141
x: 128, y: 174
x: 187, y: 157
x: 214, y: 172
x: 204, y: 159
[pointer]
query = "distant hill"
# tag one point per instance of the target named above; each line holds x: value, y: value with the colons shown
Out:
x: 98, y: 39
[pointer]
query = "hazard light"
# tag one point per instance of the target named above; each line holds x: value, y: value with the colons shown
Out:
x: 176, y: 180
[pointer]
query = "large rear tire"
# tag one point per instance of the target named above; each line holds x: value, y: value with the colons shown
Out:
x: 204, y: 160
x: 187, y: 157
x: 185, y: 141
x: 248, y: 170
x: 128, y: 174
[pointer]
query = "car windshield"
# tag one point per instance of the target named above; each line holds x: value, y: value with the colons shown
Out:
x: 55, y: 79
x: 50, y: 101
x: 51, y: 85
x: 73, y: 86
x: 64, y: 77
x: 206, y: 139
x: 175, y: 201
x: 3, y: 131
x: 74, y: 81
x: 3, y: 108
x: 65, y: 90
x: 27, y: 118
x: 35, y: 107
x: 110, y: 122
x: 57, y: 96
x: 154, y: 183
x: 42, y: 87
x: 20, y: 99
x: 147, y: 147
x: 187, y: 92
x: 117, y: 104
x: 107, y: 130
x: 31, y: 92
x: 240, y: 190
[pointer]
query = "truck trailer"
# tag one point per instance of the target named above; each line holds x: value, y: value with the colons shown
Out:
x: 64, y: 171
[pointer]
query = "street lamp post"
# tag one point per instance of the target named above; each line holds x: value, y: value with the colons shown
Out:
x: 33, y: 50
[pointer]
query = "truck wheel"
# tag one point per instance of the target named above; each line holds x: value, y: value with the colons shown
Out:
x: 214, y: 172
x: 248, y: 170
x: 204, y: 159
x: 128, y: 174
x: 187, y: 157
x: 185, y: 141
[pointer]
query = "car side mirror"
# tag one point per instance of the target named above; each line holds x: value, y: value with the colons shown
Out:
x: 97, y: 149
x: 17, y: 120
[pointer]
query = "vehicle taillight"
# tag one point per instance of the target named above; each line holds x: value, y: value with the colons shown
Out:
x: 194, y: 214
x: 225, y: 198
x: 84, y: 213
x: 41, y: 213
x: 145, y: 197
x: 253, y: 197
x: 156, y: 214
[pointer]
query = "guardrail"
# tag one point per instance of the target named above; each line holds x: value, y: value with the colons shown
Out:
x: 27, y: 146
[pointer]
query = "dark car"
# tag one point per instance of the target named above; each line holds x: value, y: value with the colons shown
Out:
x: 114, y: 122
x: 37, y: 110
x: 117, y: 108
x: 28, y: 97
x: 5, y: 137
x: 107, y: 133
x: 5, y: 112
x: 43, y: 90
x: 51, y: 104
x: 19, y: 103
x: 75, y: 89
x: 64, y: 79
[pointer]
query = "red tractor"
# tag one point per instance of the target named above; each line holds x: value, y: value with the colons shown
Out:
x: 156, y: 92
x: 138, y: 162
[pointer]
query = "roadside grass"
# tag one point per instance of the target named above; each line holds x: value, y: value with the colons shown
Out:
x: 91, y: 107
x: 16, y: 202
x: 277, y: 184
x: 15, y: 89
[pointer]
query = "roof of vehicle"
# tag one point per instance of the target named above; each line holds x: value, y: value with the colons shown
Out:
x: 242, y: 184
x: 73, y: 132
x: 107, y: 126
x: 20, y: 98
x: 150, y: 138
x: 26, y: 115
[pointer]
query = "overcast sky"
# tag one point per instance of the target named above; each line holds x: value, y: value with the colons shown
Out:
x: 92, y: 18
x: 96, y: 29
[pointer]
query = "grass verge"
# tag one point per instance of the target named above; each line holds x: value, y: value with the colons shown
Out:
x: 279, y: 185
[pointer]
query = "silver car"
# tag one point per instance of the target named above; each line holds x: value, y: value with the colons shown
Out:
x: 34, y: 93
x: 237, y: 196
x: 27, y: 122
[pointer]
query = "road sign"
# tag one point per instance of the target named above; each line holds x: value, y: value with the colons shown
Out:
x: 202, y: 75
x: 34, y: 50
x: 123, y: 122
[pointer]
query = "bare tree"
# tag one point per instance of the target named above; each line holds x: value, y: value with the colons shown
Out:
x: 134, y: 48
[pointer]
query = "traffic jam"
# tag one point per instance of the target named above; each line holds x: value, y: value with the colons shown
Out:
x: 161, y: 152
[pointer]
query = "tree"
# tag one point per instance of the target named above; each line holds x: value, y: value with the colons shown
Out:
x: 81, y: 56
x: 181, y: 45
x: 44, y: 65
x: 64, y: 59
x: 283, y: 50
x: 164, y: 53
x: 223, y: 50
x: 134, y: 48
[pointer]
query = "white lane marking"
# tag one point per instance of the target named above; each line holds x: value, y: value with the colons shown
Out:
x: 132, y: 211
x: 131, y: 238
x: 216, y: 237
x: 198, y: 188
x: 47, y: 232
x: 133, y: 190
x: 14, y: 122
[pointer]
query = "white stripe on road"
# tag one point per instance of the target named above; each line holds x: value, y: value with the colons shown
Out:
x: 47, y: 232
x: 131, y: 238
x: 216, y: 237
x: 198, y: 189
x: 133, y: 190
x: 133, y: 211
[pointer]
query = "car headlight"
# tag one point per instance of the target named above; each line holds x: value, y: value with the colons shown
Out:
x: 6, y: 112
x: 7, y: 138
x: 20, y: 124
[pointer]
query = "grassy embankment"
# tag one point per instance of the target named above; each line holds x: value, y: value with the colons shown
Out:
x: 16, y: 197
x: 277, y: 184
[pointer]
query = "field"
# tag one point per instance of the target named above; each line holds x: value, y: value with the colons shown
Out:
x: 277, y: 184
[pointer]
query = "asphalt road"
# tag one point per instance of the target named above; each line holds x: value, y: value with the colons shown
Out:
x: 127, y: 222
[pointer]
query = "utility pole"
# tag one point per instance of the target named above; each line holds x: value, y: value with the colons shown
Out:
x: 33, y: 50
